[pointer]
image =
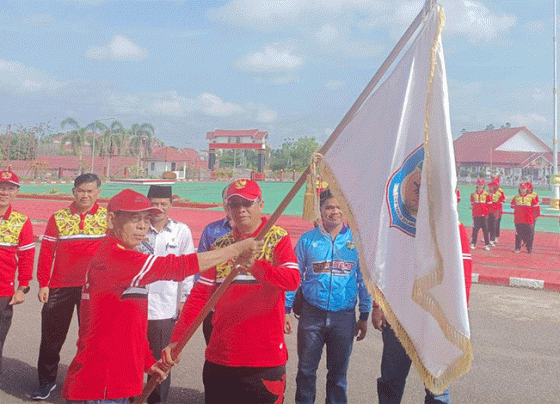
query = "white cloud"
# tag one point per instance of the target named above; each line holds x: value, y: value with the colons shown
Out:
x: 39, y: 20
x: 120, y: 48
x: 334, y: 84
x: 476, y: 21
x: 272, y: 59
x: 16, y: 78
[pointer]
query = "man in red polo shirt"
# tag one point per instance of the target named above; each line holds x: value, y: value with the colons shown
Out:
x: 71, y: 239
x: 17, y: 251
x: 246, y: 356
x: 113, y: 349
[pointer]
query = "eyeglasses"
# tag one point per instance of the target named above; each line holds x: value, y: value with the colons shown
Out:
x: 245, y: 203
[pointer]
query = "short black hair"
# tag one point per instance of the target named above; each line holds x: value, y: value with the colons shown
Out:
x: 324, y: 195
x: 87, y: 177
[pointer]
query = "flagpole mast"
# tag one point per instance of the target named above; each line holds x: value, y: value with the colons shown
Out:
x: 555, y: 180
x: 149, y: 387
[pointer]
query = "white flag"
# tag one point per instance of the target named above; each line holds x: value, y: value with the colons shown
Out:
x: 393, y: 170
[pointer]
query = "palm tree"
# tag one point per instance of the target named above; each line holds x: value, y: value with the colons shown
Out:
x: 77, y: 137
x: 141, y: 140
x: 112, y: 138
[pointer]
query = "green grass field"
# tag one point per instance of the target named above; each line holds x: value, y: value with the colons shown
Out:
x: 274, y: 193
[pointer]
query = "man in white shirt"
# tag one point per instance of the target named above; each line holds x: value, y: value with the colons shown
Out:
x: 165, y: 298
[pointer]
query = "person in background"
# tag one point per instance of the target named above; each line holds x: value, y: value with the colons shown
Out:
x: 165, y: 298
x: 210, y: 234
x: 246, y: 356
x: 17, y: 252
x: 480, y: 199
x: 495, y: 210
x: 395, y: 363
x: 113, y: 350
x: 71, y: 239
x: 526, y: 209
x: 331, y: 282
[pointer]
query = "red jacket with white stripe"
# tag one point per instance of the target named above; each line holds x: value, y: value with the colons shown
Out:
x: 17, y: 251
x: 70, y: 242
x: 113, y: 351
x: 249, y: 317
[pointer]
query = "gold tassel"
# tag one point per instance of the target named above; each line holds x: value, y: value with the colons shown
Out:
x: 309, y: 201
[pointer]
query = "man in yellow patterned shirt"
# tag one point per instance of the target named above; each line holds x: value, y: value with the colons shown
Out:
x: 17, y: 251
x: 71, y: 239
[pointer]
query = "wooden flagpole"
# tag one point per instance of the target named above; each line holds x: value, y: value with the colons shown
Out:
x: 292, y: 193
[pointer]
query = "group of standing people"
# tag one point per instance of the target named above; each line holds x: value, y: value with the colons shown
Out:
x: 487, y: 211
x: 129, y: 270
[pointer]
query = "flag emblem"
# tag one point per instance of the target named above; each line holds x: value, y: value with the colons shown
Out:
x: 403, y: 193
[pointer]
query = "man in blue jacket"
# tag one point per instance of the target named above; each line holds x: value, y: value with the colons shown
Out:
x: 331, y: 281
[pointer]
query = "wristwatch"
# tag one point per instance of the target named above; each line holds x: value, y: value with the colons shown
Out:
x: 24, y: 289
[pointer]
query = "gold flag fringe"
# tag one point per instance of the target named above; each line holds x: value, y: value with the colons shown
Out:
x: 310, y: 199
x: 422, y: 286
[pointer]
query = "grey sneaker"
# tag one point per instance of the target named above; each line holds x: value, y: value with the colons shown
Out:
x: 43, y: 392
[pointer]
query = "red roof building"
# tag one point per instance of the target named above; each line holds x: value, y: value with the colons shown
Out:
x: 237, y: 139
x: 509, y: 152
x: 171, y: 159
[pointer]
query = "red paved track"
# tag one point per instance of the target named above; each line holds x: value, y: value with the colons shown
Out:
x: 541, y: 269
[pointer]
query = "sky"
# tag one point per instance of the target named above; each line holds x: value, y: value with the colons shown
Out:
x: 292, y: 68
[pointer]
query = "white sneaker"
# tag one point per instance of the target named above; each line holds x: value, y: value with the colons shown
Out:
x: 473, y: 246
x: 496, y: 241
x: 487, y: 247
x: 492, y: 244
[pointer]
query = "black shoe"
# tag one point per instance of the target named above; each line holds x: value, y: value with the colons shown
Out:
x: 43, y: 392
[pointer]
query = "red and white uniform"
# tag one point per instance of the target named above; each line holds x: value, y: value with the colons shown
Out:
x: 249, y: 317
x: 467, y: 259
x: 480, y: 202
x: 526, y: 208
x: 71, y: 240
x: 17, y: 250
x: 113, y: 351
x: 497, y: 200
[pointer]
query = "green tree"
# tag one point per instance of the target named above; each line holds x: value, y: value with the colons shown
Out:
x: 141, y: 136
x: 77, y: 137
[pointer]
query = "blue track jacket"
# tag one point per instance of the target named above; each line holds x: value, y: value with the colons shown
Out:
x: 331, y: 278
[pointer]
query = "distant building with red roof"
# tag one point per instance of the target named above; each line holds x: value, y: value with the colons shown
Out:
x: 509, y: 152
x: 252, y: 139
x: 170, y: 159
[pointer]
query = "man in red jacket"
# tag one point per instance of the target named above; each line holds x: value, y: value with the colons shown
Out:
x: 113, y: 350
x: 246, y: 355
x: 17, y: 251
x: 480, y: 199
x: 526, y: 209
x: 71, y: 238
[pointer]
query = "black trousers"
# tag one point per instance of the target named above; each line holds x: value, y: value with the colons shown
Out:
x: 494, y: 220
x: 6, y: 313
x: 159, y: 335
x: 525, y: 232
x: 479, y: 222
x: 56, y: 317
x: 247, y: 385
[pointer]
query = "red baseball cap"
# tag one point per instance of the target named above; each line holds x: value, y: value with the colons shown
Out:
x: 245, y: 188
x: 9, y: 177
x: 480, y: 181
x: 131, y: 201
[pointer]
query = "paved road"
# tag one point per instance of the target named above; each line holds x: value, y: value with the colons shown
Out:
x: 514, y: 334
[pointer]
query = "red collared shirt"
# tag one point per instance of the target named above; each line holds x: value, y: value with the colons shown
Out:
x: 249, y: 318
x: 70, y: 242
x: 17, y: 251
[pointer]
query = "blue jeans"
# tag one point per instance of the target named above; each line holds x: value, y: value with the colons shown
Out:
x: 395, y: 365
x: 112, y: 401
x: 315, y: 329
